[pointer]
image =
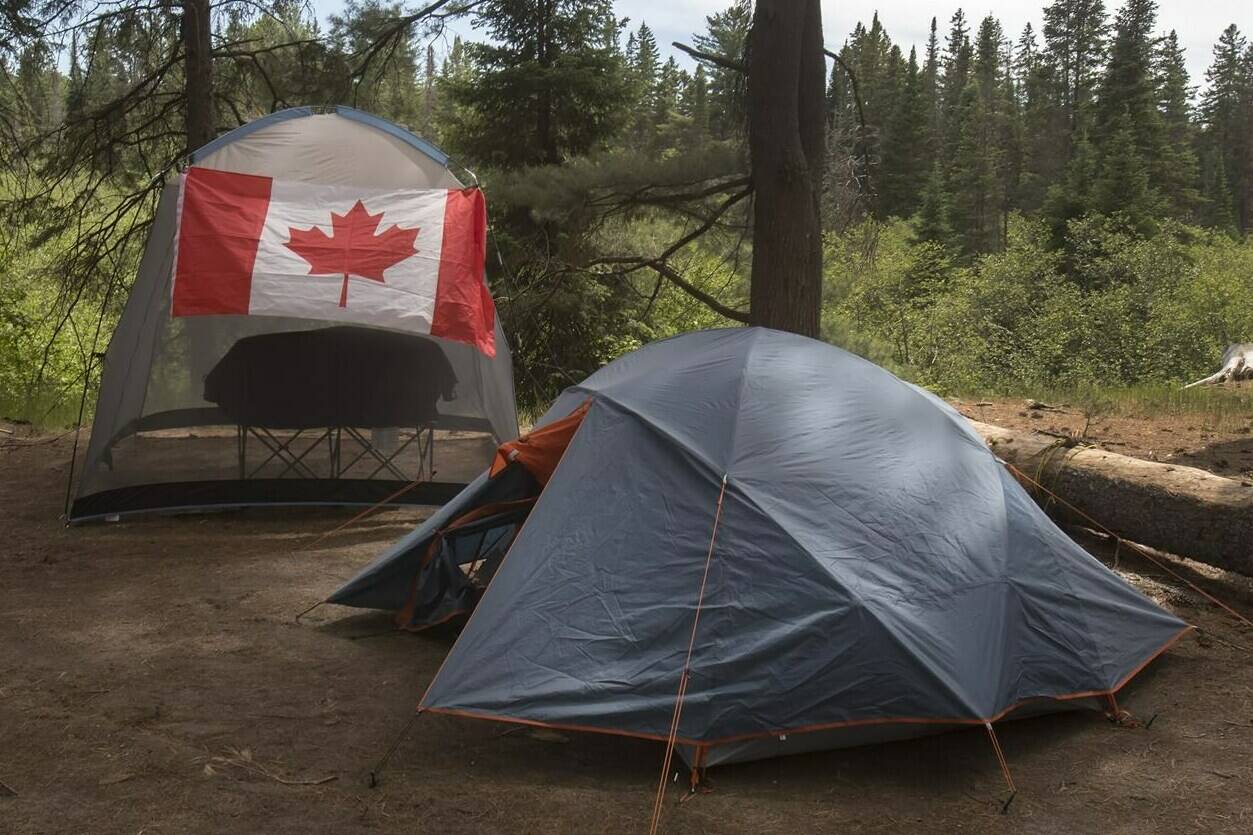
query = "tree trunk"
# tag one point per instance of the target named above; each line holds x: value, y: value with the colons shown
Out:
x: 1182, y: 510
x: 786, y: 140
x: 544, y: 106
x: 198, y: 73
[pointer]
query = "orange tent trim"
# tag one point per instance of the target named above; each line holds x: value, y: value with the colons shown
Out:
x: 539, y: 451
x: 853, y: 723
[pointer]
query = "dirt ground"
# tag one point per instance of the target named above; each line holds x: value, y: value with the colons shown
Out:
x: 153, y: 680
x: 1188, y: 439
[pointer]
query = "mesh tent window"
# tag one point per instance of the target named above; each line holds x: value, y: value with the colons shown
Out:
x: 159, y: 443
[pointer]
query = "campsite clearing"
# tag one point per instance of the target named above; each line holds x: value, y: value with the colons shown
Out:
x: 152, y: 679
x: 1214, y: 434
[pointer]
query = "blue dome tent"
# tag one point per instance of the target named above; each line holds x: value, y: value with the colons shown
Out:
x: 833, y: 553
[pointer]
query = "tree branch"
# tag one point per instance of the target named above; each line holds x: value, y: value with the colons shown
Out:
x: 661, y: 266
x: 710, y: 58
x: 852, y: 79
x: 672, y: 275
x: 861, y: 151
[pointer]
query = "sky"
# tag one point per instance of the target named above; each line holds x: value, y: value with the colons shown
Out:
x: 1198, y: 22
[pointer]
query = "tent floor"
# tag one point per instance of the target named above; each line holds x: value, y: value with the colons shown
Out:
x: 151, y: 678
x: 193, y: 470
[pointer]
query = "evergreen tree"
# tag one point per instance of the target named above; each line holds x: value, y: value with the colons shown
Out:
x: 726, y: 34
x: 1041, y: 124
x: 38, y: 87
x: 642, y: 65
x: 932, y: 221
x: 930, y: 93
x: 1070, y: 198
x: 544, y: 87
x: 695, y: 104
x: 645, y: 61
x: 1075, y: 33
x: 663, y: 106
x: 1123, y: 185
x: 1227, y: 132
x: 956, y: 64
x: 975, y: 176
x: 1128, y: 127
x: 429, y: 77
x: 904, y: 150
x: 1176, y: 172
x: 390, y: 86
x: 1127, y: 85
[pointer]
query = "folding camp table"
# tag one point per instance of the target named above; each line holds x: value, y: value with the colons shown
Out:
x: 283, y: 448
x: 297, y: 391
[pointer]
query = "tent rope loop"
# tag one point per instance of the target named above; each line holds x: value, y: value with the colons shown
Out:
x: 685, y: 675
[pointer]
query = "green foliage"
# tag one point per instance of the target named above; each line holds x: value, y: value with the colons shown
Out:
x: 546, y: 87
x: 1112, y: 308
x: 1055, y: 213
x: 43, y: 356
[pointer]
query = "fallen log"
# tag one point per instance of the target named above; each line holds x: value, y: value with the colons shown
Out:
x: 1182, y: 510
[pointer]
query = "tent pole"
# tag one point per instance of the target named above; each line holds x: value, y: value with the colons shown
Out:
x: 78, y: 426
x: 82, y: 403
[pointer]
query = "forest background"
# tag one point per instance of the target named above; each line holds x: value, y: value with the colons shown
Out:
x: 1061, y: 209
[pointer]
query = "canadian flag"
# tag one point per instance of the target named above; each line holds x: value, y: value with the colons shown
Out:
x: 409, y: 260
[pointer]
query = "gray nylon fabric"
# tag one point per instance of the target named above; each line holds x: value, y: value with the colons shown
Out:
x: 873, y: 560
x: 385, y: 583
x: 153, y: 373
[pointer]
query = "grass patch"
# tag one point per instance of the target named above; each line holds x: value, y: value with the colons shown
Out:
x: 1224, y: 407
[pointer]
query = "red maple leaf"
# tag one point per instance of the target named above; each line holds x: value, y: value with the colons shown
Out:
x: 352, y: 248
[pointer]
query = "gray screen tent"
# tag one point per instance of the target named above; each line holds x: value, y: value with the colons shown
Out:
x: 159, y: 443
x: 875, y: 572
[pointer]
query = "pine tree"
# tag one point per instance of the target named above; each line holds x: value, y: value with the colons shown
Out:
x: 1227, y: 132
x: 694, y: 104
x: 1123, y: 186
x: 904, y: 152
x: 1041, y: 124
x: 1176, y: 171
x: 39, y: 89
x: 932, y: 221
x: 1127, y: 112
x: 934, y: 130
x: 646, y: 60
x: 869, y: 53
x: 975, y: 180
x: 664, y: 102
x: 1127, y: 83
x: 544, y: 88
x: 956, y: 64
x: 390, y: 87
x: 726, y: 34
x: 429, y: 77
x: 643, y: 67
x: 1075, y: 33
x: 1071, y: 197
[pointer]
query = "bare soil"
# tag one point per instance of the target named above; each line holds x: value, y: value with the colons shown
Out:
x: 1188, y: 439
x: 152, y: 679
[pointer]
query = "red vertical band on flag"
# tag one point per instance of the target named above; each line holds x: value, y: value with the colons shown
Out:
x: 463, y: 306
x: 219, y: 226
